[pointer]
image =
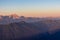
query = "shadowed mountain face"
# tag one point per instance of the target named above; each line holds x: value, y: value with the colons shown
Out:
x: 30, y: 31
x: 19, y: 30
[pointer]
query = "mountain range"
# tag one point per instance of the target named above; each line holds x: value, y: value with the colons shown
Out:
x: 15, y: 18
x: 24, y: 30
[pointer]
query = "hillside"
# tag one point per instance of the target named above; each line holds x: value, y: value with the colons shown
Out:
x: 23, y: 29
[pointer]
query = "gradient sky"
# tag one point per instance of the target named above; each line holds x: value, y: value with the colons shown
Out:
x: 34, y: 8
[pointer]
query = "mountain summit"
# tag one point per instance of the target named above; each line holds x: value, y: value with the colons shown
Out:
x: 15, y: 16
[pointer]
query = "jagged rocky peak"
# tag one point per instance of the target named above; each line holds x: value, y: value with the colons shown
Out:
x: 14, y: 16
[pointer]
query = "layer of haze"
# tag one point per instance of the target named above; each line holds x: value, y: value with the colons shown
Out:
x: 33, y: 8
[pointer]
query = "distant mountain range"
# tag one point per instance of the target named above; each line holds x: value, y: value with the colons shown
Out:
x: 15, y: 18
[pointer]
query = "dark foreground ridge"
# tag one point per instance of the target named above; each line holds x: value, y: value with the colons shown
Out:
x: 27, y: 31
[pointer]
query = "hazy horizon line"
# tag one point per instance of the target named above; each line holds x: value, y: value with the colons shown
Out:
x: 28, y: 16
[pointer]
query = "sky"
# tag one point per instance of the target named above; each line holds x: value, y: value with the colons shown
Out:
x: 33, y: 8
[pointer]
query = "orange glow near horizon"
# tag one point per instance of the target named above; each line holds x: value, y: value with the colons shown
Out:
x: 31, y: 14
x: 34, y: 13
x: 51, y: 12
